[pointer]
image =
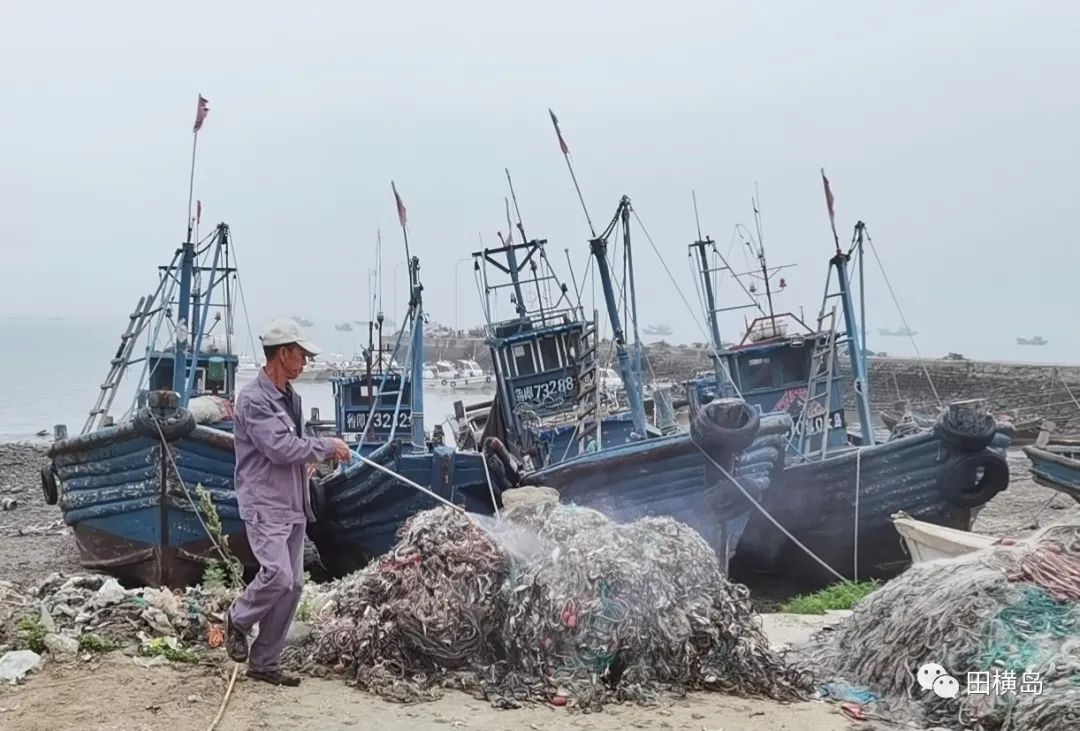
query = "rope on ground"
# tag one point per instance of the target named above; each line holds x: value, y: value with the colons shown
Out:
x: 225, y: 700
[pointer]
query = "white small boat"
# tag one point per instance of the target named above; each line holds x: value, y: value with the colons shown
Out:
x: 929, y: 542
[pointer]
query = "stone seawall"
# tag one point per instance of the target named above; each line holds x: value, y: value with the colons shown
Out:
x: 1024, y: 389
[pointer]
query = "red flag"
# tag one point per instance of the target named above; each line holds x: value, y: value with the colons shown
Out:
x: 200, y: 113
x: 198, y: 211
x: 400, y: 205
x: 831, y: 203
x: 562, y: 142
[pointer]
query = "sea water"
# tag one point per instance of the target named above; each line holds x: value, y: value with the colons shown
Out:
x: 51, y: 371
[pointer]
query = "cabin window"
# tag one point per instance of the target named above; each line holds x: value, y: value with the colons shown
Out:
x: 757, y: 373
x: 524, y: 359
x: 549, y: 353
x: 795, y: 365
x: 390, y: 396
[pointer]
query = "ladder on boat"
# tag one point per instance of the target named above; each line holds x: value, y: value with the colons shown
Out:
x: 818, y: 402
x: 118, y: 365
x: 587, y: 394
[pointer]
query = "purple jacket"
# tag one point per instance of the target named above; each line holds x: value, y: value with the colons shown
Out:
x: 270, y: 456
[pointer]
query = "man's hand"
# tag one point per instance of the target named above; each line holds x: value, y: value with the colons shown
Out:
x: 342, y: 453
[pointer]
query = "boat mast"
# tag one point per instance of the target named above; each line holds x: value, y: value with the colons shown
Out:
x: 710, y: 304
x: 855, y: 345
x: 598, y: 248
x: 416, y: 390
x: 764, y: 266
x: 183, y: 314
x: 633, y: 314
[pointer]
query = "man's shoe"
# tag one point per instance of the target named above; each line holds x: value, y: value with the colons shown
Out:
x: 274, y: 677
x: 235, y: 640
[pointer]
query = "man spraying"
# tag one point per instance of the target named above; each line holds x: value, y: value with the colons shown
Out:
x: 271, y: 489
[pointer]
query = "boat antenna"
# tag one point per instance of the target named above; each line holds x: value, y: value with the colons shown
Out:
x: 379, y: 316
x: 697, y: 219
x: 761, y: 256
x: 570, y: 167
x: 201, y: 110
x: 517, y: 211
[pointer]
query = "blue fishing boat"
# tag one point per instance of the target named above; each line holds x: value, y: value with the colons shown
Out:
x: 133, y: 489
x: 549, y: 413
x: 828, y: 513
x: 380, y: 414
x: 1056, y: 466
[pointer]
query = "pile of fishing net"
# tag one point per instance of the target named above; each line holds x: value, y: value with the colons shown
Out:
x: 551, y: 603
x: 1010, y: 614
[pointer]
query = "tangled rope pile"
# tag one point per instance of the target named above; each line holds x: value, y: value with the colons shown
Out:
x: 552, y: 603
x: 1008, y: 610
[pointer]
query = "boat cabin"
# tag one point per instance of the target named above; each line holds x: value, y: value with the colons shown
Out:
x: 774, y: 374
x: 539, y: 364
x: 360, y: 398
x: 215, y: 374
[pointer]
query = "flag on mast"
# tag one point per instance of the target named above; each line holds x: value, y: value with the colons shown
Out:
x: 200, y: 113
x: 400, y: 206
x: 831, y: 203
x: 562, y: 142
x: 198, y: 212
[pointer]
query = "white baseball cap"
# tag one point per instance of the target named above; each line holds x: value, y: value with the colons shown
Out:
x: 285, y: 332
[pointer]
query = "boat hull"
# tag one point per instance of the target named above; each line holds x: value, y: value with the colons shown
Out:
x: 360, y: 509
x: 1056, y: 467
x: 123, y: 494
x: 816, y: 503
x: 669, y: 476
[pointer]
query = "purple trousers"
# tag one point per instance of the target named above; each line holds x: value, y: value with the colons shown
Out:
x: 271, y: 599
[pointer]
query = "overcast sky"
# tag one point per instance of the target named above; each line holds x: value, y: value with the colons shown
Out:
x: 949, y: 127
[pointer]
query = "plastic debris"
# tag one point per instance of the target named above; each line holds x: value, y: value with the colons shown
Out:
x: 552, y: 602
x: 95, y: 604
x: 61, y: 646
x: 1005, y: 611
x: 16, y: 664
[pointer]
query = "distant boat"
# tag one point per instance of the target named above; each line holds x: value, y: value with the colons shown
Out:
x: 662, y: 330
x: 900, y: 332
x: 343, y: 327
x: 1037, y: 340
x: 303, y: 322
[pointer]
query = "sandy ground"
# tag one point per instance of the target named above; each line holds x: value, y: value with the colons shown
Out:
x: 113, y: 692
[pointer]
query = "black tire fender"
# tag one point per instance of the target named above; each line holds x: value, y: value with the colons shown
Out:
x: 966, y: 441
x: 49, y: 484
x: 172, y: 427
x: 970, y: 479
x: 725, y: 427
x: 453, y: 384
